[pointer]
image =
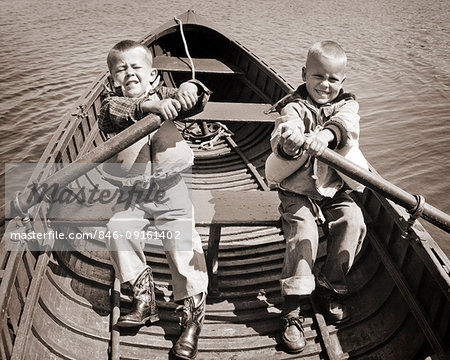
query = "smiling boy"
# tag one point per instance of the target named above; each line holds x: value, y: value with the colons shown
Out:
x: 317, y: 115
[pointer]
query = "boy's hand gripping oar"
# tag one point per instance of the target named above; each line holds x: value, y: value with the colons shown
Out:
x: 20, y: 205
x: 415, y: 205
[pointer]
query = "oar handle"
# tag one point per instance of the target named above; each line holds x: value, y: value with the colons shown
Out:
x: 385, y: 188
x: 83, y: 164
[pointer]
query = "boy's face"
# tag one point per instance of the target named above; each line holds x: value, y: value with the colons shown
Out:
x: 323, y: 77
x: 132, y: 70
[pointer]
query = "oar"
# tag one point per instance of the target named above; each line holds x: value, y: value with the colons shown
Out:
x: 96, y: 156
x: 83, y: 164
x: 385, y: 188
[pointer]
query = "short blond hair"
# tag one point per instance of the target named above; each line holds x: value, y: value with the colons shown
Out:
x: 327, y: 48
x: 125, y: 45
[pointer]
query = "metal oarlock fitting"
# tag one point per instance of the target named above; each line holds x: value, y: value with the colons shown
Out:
x: 26, y: 222
x: 416, y: 212
x: 17, y: 206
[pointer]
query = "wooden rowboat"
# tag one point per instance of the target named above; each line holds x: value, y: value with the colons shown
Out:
x: 59, y: 304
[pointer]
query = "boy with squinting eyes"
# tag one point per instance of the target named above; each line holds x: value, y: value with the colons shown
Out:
x: 137, y: 94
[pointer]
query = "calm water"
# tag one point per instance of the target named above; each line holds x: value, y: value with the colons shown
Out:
x: 398, y: 67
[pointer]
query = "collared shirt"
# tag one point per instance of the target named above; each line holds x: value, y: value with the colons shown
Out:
x: 157, y: 151
x: 119, y: 112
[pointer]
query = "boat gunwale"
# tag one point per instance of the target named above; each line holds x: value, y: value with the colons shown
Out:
x: 424, y: 249
x: 420, y: 240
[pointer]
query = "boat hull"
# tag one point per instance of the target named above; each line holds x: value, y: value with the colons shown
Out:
x: 62, y: 304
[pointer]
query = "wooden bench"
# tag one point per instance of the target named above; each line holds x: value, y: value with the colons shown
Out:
x: 235, y: 112
x: 202, y: 65
x: 217, y: 209
x: 213, y: 208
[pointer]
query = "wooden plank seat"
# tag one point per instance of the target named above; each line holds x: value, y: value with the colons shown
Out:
x: 202, y: 65
x: 217, y: 209
x: 234, y: 112
x: 214, y: 209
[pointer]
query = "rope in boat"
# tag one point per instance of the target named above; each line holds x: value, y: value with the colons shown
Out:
x: 186, y: 47
x: 223, y: 131
x: 209, y: 144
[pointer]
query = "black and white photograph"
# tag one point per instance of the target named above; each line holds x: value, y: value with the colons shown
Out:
x: 225, y: 180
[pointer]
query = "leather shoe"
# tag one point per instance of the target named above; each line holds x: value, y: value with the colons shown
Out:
x: 332, y: 304
x: 144, y: 302
x: 191, y: 324
x: 292, y: 334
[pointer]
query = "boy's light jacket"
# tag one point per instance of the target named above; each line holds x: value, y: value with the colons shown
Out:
x: 314, y: 178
